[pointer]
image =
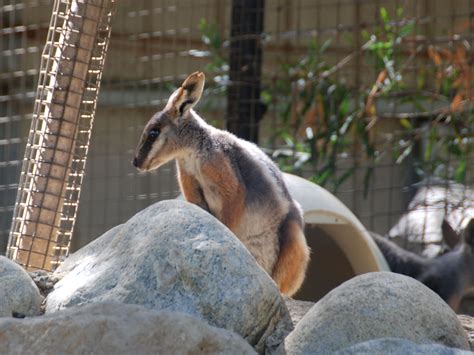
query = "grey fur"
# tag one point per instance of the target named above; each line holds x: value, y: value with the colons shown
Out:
x: 267, y: 197
x: 450, y: 275
x: 193, y: 143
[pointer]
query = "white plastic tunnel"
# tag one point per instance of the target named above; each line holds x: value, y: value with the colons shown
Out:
x: 341, y: 247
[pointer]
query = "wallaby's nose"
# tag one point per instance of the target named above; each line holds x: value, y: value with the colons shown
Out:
x: 135, y: 162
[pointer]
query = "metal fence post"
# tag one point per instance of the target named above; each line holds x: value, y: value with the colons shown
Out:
x: 244, y: 109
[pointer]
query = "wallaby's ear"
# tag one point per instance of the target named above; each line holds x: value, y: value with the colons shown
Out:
x: 468, y: 233
x: 451, y: 238
x: 188, y: 95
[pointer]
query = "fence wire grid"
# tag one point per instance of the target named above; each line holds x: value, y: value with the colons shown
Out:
x: 262, y: 59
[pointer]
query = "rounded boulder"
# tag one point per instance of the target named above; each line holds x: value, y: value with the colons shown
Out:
x: 174, y: 256
x: 19, y: 296
x: 372, y: 306
x: 114, y: 328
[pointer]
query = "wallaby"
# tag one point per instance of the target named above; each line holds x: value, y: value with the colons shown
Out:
x: 232, y: 179
x: 450, y: 275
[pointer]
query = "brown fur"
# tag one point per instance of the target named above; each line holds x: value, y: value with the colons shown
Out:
x: 229, y: 188
x: 191, y: 189
x: 290, y: 268
x: 455, y: 301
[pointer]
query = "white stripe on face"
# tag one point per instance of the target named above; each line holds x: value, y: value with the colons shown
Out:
x: 156, y: 157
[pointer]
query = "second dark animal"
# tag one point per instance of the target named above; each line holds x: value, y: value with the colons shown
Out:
x: 450, y: 275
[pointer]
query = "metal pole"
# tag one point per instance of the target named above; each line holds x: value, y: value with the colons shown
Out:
x: 244, y: 109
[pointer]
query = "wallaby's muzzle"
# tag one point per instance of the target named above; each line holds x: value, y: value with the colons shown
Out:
x: 138, y: 162
x: 141, y: 159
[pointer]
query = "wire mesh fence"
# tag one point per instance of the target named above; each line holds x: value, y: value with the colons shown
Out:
x: 373, y: 99
x: 368, y: 103
x: 23, y: 31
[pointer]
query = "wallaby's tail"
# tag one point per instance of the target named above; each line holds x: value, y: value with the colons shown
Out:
x: 290, y: 268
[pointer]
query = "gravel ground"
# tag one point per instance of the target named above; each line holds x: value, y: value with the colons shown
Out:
x: 468, y: 325
x: 45, y: 282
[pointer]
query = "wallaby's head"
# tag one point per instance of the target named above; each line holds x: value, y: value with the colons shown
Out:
x: 160, y: 140
x: 468, y: 234
x: 468, y: 251
x: 465, y: 240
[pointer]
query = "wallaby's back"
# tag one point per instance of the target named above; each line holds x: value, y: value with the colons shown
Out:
x: 450, y: 275
x: 400, y: 260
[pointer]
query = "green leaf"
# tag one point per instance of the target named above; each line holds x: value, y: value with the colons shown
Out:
x: 367, y: 178
x: 343, y: 178
x: 454, y: 148
x: 325, y: 46
x: 202, y: 25
x: 460, y: 173
x: 322, y: 178
x: 344, y: 107
x: 421, y: 79
x: 399, y: 12
x: 406, y: 123
x: 427, y: 156
x: 384, y: 15
x: 288, y: 138
x: 365, y: 35
x: 406, y: 29
x: 266, y: 97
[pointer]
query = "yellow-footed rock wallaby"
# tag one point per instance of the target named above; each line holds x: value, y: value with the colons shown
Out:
x: 233, y: 180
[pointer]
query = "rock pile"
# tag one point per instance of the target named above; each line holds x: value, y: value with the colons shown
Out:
x: 173, y: 279
x: 174, y: 256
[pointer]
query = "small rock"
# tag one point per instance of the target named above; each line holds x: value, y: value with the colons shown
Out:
x: 396, y: 346
x: 173, y: 255
x: 276, y: 338
x: 117, y: 329
x: 468, y: 325
x: 19, y: 296
x: 376, y: 305
x: 44, y: 280
x: 297, y: 309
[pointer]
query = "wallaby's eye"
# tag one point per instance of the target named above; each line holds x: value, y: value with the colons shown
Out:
x: 154, y: 133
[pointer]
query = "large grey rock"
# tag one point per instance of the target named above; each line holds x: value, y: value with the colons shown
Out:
x: 19, y: 296
x: 117, y: 329
x: 395, y: 346
x: 174, y: 256
x: 376, y: 305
